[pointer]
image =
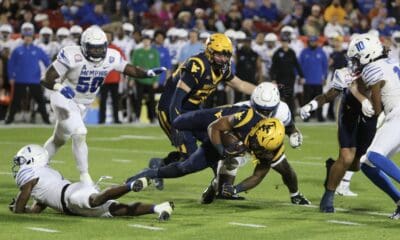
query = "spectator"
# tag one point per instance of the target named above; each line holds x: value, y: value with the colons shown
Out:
x: 314, y: 64
x: 234, y: 18
x: 193, y: 47
x: 95, y: 16
x: 165, y: 59
x: 111, y: 83
x: 314, y: 24
x: 295, y: 18
x: 146, y: 57
x: 285, y: 77
x: 124, y: 39
x: 248, y: 66
x: 24, y: 73
x: 250, y: 10
x: 334, y: 26
x: 335, y: 10
x: 269, y: 12
x: 381, y: 16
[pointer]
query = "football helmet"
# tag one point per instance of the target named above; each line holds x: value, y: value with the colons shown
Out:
x: 94, y: 44
x: 267, y: 135
x: 364, y: 49
x: 62, y: 33
x: 270, y: 37
x: 45, y: 34
x: 31, y: 155
x: 5, y: 31
x: 27, y: 29
x: 265, y: 99
x: 219, y: 50
x: 76, y: 32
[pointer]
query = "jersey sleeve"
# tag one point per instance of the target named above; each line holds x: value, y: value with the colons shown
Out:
x: 371, y: 74
x: 25, y: 175
x: 195, y: 67
x: 63, y: 62
x: 341, y: 79
x: 117, y: 59
x: 242, y: 118
x: 283, y: 114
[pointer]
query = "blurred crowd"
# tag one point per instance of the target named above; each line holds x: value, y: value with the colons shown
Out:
x: 296, y: 44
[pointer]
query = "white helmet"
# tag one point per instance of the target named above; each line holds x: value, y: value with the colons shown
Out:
x: 364, y: 49
x: 27, y: 29
x: 76, y: 29
x: 6, y: 28
x: 204, y: 35
x: 270, y: 37
x: 265, y: 99
x: 128, y: 27
x: 45, y: 30
x: 94, y: 44
x: 396, y: 37
x: 31, y: 155
x: 62, y: 32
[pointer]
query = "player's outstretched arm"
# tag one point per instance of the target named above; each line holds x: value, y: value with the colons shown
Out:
x: 241, y: 86
x: 50, y: 78
x: 215, y: 129
x: 318, y: 101
x: 138, y: 72
x: 23, y: 197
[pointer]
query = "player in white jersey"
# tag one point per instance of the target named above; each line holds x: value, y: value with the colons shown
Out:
x: 382, y: 75
x: 75, y: 78
x: 36, y: 179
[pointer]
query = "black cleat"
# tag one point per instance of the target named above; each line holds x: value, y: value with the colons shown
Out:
x: 208, y: 195
x: 155, y: 163
x: 299, y: 199
x: 233, y: 197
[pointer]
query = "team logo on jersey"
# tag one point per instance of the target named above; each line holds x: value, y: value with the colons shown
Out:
x: 111, y: 59
x: 195, y: 68
x: 78, y: 58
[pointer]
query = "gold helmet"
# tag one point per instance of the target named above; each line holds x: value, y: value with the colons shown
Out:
x: 268, y: 135
x: 219, y: 43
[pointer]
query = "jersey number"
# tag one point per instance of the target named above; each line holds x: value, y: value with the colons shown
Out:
x: 88, y: 84
x: 360, y: 46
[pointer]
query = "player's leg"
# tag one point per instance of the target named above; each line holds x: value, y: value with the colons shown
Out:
x: 336, y: 173
x: 164, y: 210
x: 384, y: 145
x: 289, y: 178
x: 37, y: 93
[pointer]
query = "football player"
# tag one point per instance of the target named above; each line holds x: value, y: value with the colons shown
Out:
x: 191, y: 84
x: 75, y: 78
x: 36, y: 179
x: 382, y: 76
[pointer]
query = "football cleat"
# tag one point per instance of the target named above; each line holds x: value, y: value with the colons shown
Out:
x: 156, y: 163
x: 164, y: 210
x: 139, y: 184
x: 326, y: 204
x: 396, y: 214
x: 345, y: 191
x: 208, y: 195
x: 233, y: 197
x: 299, y: 199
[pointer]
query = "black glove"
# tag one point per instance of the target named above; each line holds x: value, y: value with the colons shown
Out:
x: 228, y: 190
x: 234, y: 150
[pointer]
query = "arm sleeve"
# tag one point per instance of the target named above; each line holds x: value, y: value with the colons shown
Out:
x: 62, y: 63
x: 175, y: 109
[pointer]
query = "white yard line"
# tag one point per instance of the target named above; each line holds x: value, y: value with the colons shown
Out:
x: 146, y: 227
x: 48, y: 230
x: 247, y: 225
x: 345, y: 223
x: 306, y: 163
x: 57, y: 161
x: 127, y: 137
x: 5, y: 173
x: 121, y: 160
x: 126, y: 150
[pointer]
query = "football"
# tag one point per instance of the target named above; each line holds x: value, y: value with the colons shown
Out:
x: 232, y: 144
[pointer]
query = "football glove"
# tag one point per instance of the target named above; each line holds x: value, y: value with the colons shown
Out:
x: 234, y: 150
x: 296, y: 139
x: 228, y: 190
x: 66, y: 91
x: 305, y: 111
x: 155, y: 71
x: 366, y: 108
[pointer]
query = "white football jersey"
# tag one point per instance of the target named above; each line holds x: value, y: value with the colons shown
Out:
x: 342, y: 79
x: 174, y: 50
x: 387, y: 70
x: 50, y: 49
x: 282, y: 113
x: 83, y: 76
x: 48, y: 188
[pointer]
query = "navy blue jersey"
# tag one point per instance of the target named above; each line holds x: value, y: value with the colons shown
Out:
x: 354, y: 129
x: 204, y: 83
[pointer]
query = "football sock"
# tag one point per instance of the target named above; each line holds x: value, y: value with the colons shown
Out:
x: 80, y: 151
x: 346, y: 179
x: 51, y: 147
x: 384, y: 164
x: 381, y: 181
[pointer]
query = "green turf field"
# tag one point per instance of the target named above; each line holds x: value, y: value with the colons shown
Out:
x: 266, y: 214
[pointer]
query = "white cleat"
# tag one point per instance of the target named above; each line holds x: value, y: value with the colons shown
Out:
x: 164, y: 210
x: 345, y: 191
x: 139, y: 184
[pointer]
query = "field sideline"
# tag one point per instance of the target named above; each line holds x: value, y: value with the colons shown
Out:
x: 121, y: 151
